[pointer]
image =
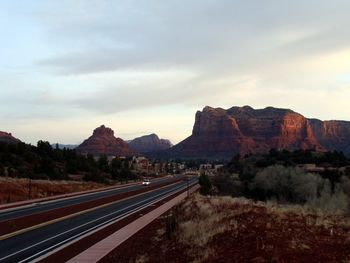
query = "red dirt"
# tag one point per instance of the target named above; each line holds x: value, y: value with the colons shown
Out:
x: 10, y: 226
x: 15, y: 189
x: 252, y: 233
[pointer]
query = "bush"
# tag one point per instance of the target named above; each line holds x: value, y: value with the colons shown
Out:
x: 293, y: 185
x: 228, y: 184
x: 286, y: 184
x: 335, y: 202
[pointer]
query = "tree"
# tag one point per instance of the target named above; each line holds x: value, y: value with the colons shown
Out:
x: 44, y: 148
x: 103, y: 163
x: 95, y: 176
x: 205, y: 184
x: 115, y: 168
x: 2, y: 170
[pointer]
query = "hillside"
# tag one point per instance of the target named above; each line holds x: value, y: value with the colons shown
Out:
x: 8, y: 138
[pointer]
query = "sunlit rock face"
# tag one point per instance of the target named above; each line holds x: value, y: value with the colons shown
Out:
x: 333, y: 135
x: 220, y: 133
x: 103, y: 142
x: 8, y: 138
x: 149, y: 144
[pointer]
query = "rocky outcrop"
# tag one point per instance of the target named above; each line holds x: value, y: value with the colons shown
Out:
x: 333, y: 135
x: 8, y: 138
x: 149, y: 144
x: 104, y: 142
x: 220, y: 133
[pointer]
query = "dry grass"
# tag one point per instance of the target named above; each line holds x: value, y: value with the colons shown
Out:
x: 312, y: 215
x: 17, y: 189
x: 225, y: 229
x: 142, y: 259
x: 207, y: 220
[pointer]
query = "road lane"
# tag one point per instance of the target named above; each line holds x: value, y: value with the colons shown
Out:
x: 65, y: 202
x: 47, y: 238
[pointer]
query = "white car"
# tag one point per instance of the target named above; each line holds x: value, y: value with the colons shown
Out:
x: 146, y: 182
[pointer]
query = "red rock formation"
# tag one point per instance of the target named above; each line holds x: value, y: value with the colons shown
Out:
x: 220, y: 133
x: 8, y: 138
x: 149, y: 143
x: 333, y: 135
x: 103, y: 141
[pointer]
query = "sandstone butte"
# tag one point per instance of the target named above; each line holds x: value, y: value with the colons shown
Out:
x: 8, y: 138
x: 103, y: 141
x: 149, y: 143
x: 220, y: 133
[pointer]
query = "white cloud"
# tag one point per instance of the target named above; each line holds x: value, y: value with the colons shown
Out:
x: 95, y: 60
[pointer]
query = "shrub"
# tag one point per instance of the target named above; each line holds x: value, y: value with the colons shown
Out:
x: 292, y: 185
x: 286, y: 184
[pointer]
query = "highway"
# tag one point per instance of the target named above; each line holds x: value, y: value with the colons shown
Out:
x: 33, y: 244
x: 65, y: 202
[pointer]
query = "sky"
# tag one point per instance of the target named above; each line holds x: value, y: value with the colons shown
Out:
x: 147, y: 66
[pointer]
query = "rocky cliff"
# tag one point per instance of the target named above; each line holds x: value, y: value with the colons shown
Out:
x: 8, y: 138
x: 103, y: 141
x: 149, y: 144
x: 220, y: 133
x: 333, y: 135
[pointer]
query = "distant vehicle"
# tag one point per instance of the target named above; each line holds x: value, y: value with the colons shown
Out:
x: 146, y: 182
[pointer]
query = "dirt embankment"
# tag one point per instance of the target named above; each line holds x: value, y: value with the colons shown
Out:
x: 20, y: 189
x: 225, y: 229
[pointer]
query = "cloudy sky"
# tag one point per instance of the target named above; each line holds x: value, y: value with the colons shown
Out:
x: 139, y: 66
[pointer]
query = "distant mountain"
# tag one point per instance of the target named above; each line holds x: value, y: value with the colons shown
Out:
x: 8, y: 138
x: 149, y: 144
x: 220, y: 133
x: 102, y: 142
x: 62, y: 146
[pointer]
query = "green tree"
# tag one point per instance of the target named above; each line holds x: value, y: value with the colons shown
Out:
x: 2, y: 170
x: 94, y: 175
x: 205, y: 184
x: 103, y: 163
x: 115, y: 168
x: 44, y: 148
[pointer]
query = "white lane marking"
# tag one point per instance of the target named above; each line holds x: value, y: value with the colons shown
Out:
x: 81, y: 212
x: 103, y: 225
x: 73, y: 240
x: 34, y: 205
x: 67, y: 231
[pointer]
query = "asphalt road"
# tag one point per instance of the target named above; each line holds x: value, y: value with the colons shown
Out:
x: 69, y: 201
x: 33, y: 244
